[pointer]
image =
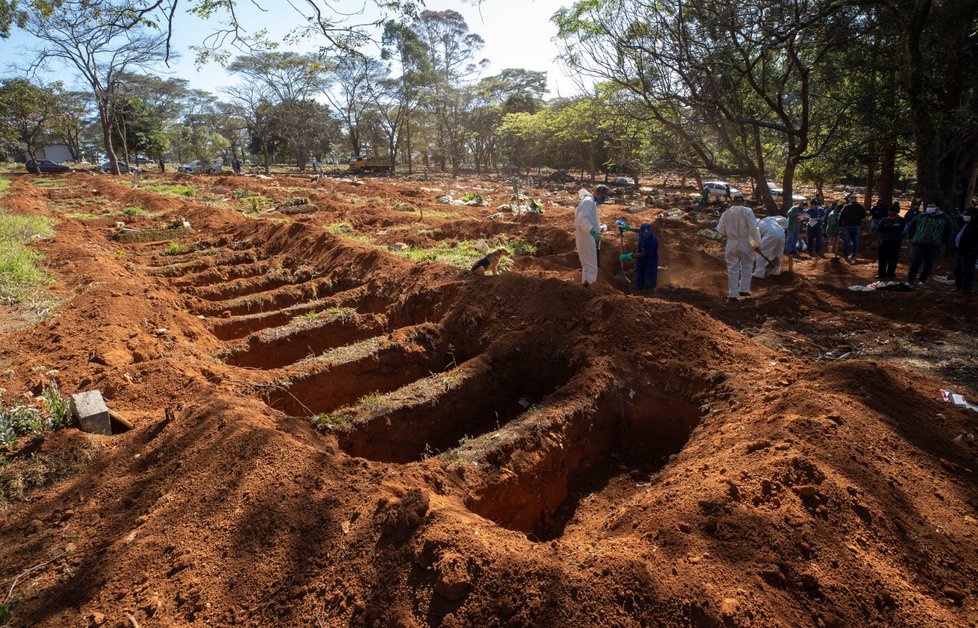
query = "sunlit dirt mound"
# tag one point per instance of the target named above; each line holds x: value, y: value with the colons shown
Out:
x: 328, y: 433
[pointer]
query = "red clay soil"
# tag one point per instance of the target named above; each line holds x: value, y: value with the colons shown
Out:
x: 508, y: 450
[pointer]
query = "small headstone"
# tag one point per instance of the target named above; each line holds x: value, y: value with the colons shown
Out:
x: 92, y: 413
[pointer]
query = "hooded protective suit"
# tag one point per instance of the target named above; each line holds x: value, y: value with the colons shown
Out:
x: 587, y: 231
x: 772, y: 231
x: 647, y: 258
x: 739, y: 225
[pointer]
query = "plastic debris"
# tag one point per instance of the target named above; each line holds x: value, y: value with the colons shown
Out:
x: 952, y: 397
x: 710, y: 234
x: 891, y: 286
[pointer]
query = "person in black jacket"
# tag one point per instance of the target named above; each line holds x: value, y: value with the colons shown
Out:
x: 890, y: 229
x: 966, y: 251
x: 850, y: 221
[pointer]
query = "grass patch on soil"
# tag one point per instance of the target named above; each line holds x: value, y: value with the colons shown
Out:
x: 169, y: 188
x: 4, y: 185
x: 49, y: 183
x: 24, y: 424
x: 459, y: 254
x: 22, y: 280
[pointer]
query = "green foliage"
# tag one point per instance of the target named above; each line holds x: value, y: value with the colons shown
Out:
x: 34, y: 418
x: 294, y: 201
x: 134, y: 211
x: 323, y: 421
x: 169, y: 188
x: 460, y: 254
x: 340, y: 228
x: 341, y: 314
x: 173, y: 248
x: 4, y: 185
x: 21, y: 277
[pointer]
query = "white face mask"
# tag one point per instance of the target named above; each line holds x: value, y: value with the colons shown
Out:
x: 931, y: 210
x: 966, y: 218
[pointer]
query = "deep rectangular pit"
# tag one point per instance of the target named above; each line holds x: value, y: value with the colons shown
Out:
x: 433, y: 416
x: 241, y: 326
x: 592, y: 456
x: 277, y: 299
x: 280, y: 346
x: 250, y: 286
x: 386, y: 367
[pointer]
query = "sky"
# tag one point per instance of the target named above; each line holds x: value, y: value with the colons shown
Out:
x: 518, y: 34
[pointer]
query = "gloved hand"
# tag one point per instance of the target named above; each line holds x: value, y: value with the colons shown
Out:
x: 621, y: 224
x: 594, y: 234
x: 626, y: 257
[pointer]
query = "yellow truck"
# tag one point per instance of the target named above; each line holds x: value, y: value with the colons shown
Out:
x: 360, y: 164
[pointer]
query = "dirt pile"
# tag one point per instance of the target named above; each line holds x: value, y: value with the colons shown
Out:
x: 329, y: 432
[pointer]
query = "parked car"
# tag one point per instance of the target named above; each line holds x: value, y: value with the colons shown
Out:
x: 561, y: 176
x: 142, y: 161
x: 202, y: 166
x: 46, y: 166
x: 626, y: 181
x: 720, y: 189
x: 123, y: 167
x: 778, y: 195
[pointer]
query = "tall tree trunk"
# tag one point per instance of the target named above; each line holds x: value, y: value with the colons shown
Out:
x: 887, y: 169
x: 969, y: 196
x: 106, y: 121
x: 407, y: 146
x: 870, y: 181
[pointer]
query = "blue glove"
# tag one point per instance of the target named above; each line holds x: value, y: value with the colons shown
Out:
x: 595, y: 235
x: 626, y: 257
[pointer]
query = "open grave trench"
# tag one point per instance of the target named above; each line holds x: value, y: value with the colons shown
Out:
x: 399, y: 376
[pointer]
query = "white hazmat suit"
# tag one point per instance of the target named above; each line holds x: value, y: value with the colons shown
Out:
x: 772, y: 231
x: 739, y: 225
x: 585, y: 225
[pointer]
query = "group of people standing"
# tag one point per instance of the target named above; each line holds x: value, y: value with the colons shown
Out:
x: 755, y: 247
x: 929, y: 232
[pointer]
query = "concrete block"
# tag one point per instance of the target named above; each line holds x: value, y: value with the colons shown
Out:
x: 92, y: 413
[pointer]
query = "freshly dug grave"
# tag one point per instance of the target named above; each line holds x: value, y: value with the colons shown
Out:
x: 327, y: 433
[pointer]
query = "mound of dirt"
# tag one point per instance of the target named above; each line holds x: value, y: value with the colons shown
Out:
x: 328, y: 433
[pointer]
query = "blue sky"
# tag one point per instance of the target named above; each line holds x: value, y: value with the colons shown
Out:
x: 518, y: 33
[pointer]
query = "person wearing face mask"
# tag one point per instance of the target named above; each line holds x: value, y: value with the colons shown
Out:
x: 890, y: 229
x: 928, y: 232
x: 587, y: 232
x: 966, y: 251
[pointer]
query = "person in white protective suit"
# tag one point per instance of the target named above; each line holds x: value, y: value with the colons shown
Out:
x: 587, y: 230
x: 739, y: 225
x: 768, y: 259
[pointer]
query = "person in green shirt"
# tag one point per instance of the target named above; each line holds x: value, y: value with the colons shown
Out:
x: 794, y: 227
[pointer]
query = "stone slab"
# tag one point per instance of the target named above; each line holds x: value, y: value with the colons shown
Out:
x: 92, y: 413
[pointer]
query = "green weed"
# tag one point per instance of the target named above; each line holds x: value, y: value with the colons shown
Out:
x: 173, y: 248
x: 21, y: 278
x: 323, y: 421
x: 4, y: 184
x: 373, y: 402
x: 169, y: 188
x: 340, y: 228
x: 134, y: 211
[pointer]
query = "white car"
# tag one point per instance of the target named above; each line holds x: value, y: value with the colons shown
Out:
x: 778, y: 195
x: 202, y: 166
x: 720, y: 189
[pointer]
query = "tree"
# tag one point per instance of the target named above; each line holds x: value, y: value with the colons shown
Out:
x: 70, y: 125
x: 27, y: 115
x: 356, y: 82
x: 284, y: 75
x: 398, y: 99
x: 734, y: 76
x: 101, y: 40
x: 940, y: 52
x: 451, y: 51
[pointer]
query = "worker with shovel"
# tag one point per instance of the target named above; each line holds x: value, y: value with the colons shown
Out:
x: 646, y: 258
x: 587, y: 231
